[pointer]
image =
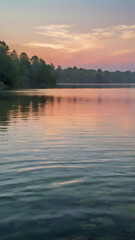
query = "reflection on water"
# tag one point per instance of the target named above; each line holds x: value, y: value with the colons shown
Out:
x: 67, y: 161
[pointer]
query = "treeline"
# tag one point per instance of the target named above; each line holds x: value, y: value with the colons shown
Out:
x: 23, y: 72
x: 75, y: 75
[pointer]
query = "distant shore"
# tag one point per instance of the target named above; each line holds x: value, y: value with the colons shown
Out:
x: 3, y: 87
x: 92, y: 85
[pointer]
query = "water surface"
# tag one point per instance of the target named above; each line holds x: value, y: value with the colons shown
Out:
x: 67, y: 164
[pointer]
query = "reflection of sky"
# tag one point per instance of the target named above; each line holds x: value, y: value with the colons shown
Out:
x: 46, y: 125
x: 65, y: 160
x: 54, y: 110
x: 85, y: 33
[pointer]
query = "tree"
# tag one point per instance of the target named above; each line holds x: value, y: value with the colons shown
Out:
x: 51, y: 67
x: 4, y: 49
x: 24, y: 60
x: 34, y: 71
x: 14, y: 55
x: 9, y: 70
x: 24, y: 66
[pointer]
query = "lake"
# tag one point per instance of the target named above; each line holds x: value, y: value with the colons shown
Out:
x: 67, y: 164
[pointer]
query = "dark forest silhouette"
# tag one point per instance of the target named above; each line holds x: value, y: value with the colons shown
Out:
x: 23, y: 72
x: 75, y: 75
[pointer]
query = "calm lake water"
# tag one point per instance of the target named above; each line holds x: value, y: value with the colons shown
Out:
x: 67, y: 164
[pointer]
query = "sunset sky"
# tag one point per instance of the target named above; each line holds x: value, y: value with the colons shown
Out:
x: 85, y: 33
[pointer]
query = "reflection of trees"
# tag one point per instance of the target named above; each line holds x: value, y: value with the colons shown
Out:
x: 21, y: 105
x: 15, y: 105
